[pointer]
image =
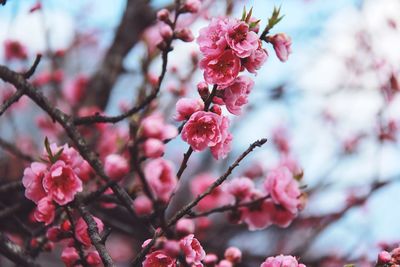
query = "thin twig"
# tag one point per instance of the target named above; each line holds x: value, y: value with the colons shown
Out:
x: 14, y: 252
x: 15, y: 150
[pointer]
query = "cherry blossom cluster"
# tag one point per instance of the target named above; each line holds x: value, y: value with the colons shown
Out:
x: 55, y: 181
x: 278, y: 202
x: 70, y: 254
x: 229, y: 47
x: 391, y: 258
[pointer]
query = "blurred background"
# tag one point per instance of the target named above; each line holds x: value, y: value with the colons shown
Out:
x: 335, y: 103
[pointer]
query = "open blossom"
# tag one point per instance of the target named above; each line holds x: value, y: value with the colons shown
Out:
x: 284, y: 189
x: 240, y: 39
x: 14, y: 50
x: 45, y: 211
x: 160, y: 259
x: 205, y: 129
x: 282, y: 45
x: 81, y: 230
x: 258, y: 218
x: 236, y: 94
x: 61, y: 183
x: 185, y: 107
x: 69, y: 256
x: 241, y: 188
x: 221, y: 69
x: 256, y: 59
x: 281, y: 261
x: 154, y: 126
x: 212, y: 40
x: 116, y: 167
x: 32, y: 181
x: 192, y: 249
x: 221, y: 150
x: 161, y: 178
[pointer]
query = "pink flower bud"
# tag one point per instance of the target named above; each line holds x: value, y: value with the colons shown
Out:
x: 202, y: 88
x: 142, y: 205
x: 69, y: 256
x: 153, y: 148
x: 185, y: 35
x: 93, y: 258
x: 166, y: 32
x: 233, y: 254
x: 282, y: 45
x: 116, y: 167
x: 53, y: 234
x: 192, y: 6
x: 384, y: 257
x: 210, y: 259
x: 216, y: 109
x: 225, y: 263
x: 185, y: 226
x: 163, y: 15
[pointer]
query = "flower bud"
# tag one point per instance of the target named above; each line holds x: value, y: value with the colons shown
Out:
x: 185, y: 226
x: 233, y: 254
x: 166, y: 32
x: 163, y: 15
x: 192, y: 6
x: 185, y: 35
x: 202, y: 88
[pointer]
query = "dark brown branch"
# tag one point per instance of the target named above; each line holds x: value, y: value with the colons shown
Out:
x: 94, y: 235
x: 188, y: 207
x: 77, y: 244
x: 11, y: 186
x: 66, y: 122
x: 138, y: 15
x: 14, y: 252
x: 32, y: 69
x: 7, y: 211
x: 15, y: 150
x: 11, y: 100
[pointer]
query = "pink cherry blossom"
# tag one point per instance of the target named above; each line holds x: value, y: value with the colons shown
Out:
x: 116, y: 167
x: 212, y: 40
x: 242, y: 41
x: 259, y: 217
x: 14, y: 50
x: 154, y: 126
x: 62, y: 183
x: 256, y: 59
x: 282, y: 45
x: 236, y: 94
x: 45, y: 211
x: 241, y: 188
x: 160, y: 259
x: 221, y: 150
x: 284, y: 189
x: 153, y: 148
x: 69, y: 256
x: 205, y: 129
x: 224, y: 263
x: 192, y: 249
x: 185, y: 107
x: 81, y: 230
x: 281, y: 261
x: 221, y: 69
x: 32, y: 181
x: 76, y: 89
x: 216, y: 198
x: 161, y: 178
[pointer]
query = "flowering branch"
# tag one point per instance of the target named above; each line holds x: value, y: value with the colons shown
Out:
x: 14, y: 252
